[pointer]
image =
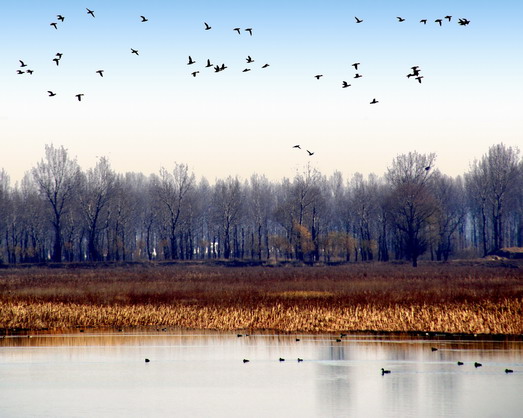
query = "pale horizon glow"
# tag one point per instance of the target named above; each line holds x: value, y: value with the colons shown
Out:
x: 148, y: 112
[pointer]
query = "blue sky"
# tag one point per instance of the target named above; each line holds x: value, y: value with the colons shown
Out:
x: 148, y: 111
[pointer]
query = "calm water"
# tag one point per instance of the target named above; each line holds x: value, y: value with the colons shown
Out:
x: 202, y: 374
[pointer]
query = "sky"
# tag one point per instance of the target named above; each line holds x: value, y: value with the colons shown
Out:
x: 148, y: 111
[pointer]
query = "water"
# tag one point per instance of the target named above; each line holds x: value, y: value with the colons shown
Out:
x: 202, y: 374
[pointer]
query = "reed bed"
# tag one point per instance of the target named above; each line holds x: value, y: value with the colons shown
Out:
x: 450, y: 298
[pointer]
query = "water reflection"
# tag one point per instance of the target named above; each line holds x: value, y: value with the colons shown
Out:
x: 202, y: 374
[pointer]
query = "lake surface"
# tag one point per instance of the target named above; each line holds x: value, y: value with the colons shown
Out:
x: 202, y: 374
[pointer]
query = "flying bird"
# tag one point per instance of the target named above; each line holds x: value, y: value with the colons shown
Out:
x: 59, y: 55
x: 208, y: 63
x: 374, y: 101
x: 90, y: 12
x: 249, y: 30
x: 265, y: 65
x: 463, y: 22
x: 345, y: 85
x: 249, y: 59
x: 134, y: 51
x: 101, y: 72
x: 79, y: 97
x: 419, y: 78
x: 190, y: 61
x: 29, y: 72
x: 51, y: 94
x: 400, y: 19
x: 358, y: 75
x: 383, y: 371
x: 207, y: 27
x: 297, y: 146
x: 54, y: 25
x: 237, y: 30
x: 217, y: 69
x: 144, y: 19
x: 355, y: 65
x: 194, y: 73
x: 57, y: 60
x: 247, y: 69
x: 20, y: 72
x: 318, y: 76
x: 448, y: 18
x: 310, y: 153
x: 223, y: 67
x: 60, y: 18
x: 358, y: 20
x: 424, y: 21
x: 22, y: 64
x: 438, y: 21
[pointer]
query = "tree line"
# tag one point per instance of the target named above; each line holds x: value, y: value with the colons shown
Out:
x: 59, y: 212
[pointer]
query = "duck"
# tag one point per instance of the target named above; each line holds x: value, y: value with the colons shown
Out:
x: 383, y: 371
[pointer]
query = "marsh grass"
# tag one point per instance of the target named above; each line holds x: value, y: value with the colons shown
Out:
x: 453, y: 297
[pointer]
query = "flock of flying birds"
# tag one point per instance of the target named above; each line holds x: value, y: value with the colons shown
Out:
x: 249, y: 60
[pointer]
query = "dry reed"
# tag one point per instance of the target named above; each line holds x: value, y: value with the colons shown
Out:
x: 434, y: 298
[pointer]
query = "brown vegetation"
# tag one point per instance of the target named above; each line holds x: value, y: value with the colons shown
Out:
x: 467, y: 297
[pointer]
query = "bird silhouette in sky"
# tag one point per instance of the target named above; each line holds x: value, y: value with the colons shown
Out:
x: 101, y: 72
x: 208, y: 63
x: 310, y: 153
x: 358, y: 75
x: 54, y: 25
x: 424, y: 21
x: 297, y: 146
x: 190, y: 61
x: 439, y: 21
x: 57, y: 60
x: 374, y: 101
x: 79, y: 97
x: 400, y: 19
x: 60, y: 18
x: 448, y: 18
x: 358, y: 20
x: 419, y: 78
x: 238, y: 30
x: 355, y: 65
x: 249, y: 30
x: 463, y: 22
x: 22, y: 64
x: 194, y: 73
x: 134, y: 51
x: 245, y: 70
x: 90, y: 12
x: 265, y: 65
x: 249, y: 59
x: 223, y: 67
x: 51, y: 94
x: 20, y: 72
x: 217, y: 69
x: 144, y: 19
x: 59, y: 55
x: 207, y: 27
x: 318, y: 76
x: 29, y: 72
x: 345, y: 85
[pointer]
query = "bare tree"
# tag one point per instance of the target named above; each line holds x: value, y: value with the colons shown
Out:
x: 172, y: 188
x: 96, y: 191
x: 410, y: 203
x: 57, y: 178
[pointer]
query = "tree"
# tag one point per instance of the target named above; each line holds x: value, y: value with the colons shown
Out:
x: 96, y: 192
x: 172, y: 188
x: 57, y: 177
x: 410, y: 202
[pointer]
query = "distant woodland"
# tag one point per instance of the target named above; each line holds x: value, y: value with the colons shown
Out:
x: 62, y: 213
